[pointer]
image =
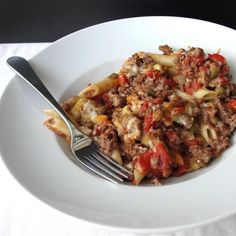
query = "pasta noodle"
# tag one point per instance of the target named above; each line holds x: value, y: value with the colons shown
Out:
x: 166, y: 60
x: 59, y: 127
x: 103, y: 86
x: 138, y: 177
x: 116, y: 156
x: 183, y: 95
x: 208, y: 132
x: 205, y: 94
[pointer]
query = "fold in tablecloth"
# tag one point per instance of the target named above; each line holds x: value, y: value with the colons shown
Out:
x: 21, y: 214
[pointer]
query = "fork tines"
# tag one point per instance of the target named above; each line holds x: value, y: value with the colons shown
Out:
x: 106, y: 167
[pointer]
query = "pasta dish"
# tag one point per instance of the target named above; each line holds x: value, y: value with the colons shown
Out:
x: 161, y: 115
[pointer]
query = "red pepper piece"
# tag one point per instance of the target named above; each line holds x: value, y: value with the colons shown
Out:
x: 179, y: 109
x: 217, y: 58
x: 143, y: 163
x: 148, y: 122
x: 165, y: 158
x: 153, y: 73
x: 157, y: 101
x: 192, y: 87
x: 232, y: 104
x: 122, y: 78
x: 144, y: 107
x: 192, y: 142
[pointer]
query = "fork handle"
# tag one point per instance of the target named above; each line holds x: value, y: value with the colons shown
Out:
x: 22, y: 68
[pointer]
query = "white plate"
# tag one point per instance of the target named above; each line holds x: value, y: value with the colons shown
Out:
x: 37, y: 158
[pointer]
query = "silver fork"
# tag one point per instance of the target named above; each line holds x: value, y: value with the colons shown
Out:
x: 84, y: 149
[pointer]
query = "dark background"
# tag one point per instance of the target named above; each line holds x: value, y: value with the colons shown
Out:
x: 45, y: 21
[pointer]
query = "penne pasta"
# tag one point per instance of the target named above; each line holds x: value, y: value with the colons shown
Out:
x: 59, y: 127
x: 146, y: 140
x: 52, y: 113
x: 78, y: 106
x: 205, y: 94
x: 183, y: 95
x: 101, y: 87
x: 116, y: 156
x: 138, y: 177
x: 208, y: 132
x: 165, y: 60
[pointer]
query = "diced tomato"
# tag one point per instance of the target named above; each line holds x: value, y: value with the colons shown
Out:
x: 232, y: 104
x: 189, y: 89
x: 199, y: 60
x: 223, y: 80
x: 157, y: 101
x: 153, y: 73
x: 217, y: 58
x: 179, y: 109
x: 163, y: 154
x: 143, y: 163
x: 172, y: 135
x: 171, y: 83
x: 144, y: 107
x: 148, y: 121
x: 192, y: 142
x: 122, y: 78
x: 192, y: 87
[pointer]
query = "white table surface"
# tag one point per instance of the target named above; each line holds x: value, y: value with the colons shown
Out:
x: 21, y: 214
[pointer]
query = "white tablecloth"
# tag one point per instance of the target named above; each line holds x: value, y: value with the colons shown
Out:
x: 21, y: 214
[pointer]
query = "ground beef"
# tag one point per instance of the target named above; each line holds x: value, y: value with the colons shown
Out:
x: 144, y: 86
x: 222, y: 129
x: 151, y: 87
x: 166, y: 49
x: 227, y: 116
x: 134, y: 69
x: 229, y: 89
x: 125, y: 91
x: 172, y: 137
x: 233, y: 92
x: 189, y: 63
x: 130, y: 151
x: 115, y: 99
x: 200, y: 153
x: 208, y: 114
x: 136, y: 64
x: 105, y: 136
x: 219, y: 145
